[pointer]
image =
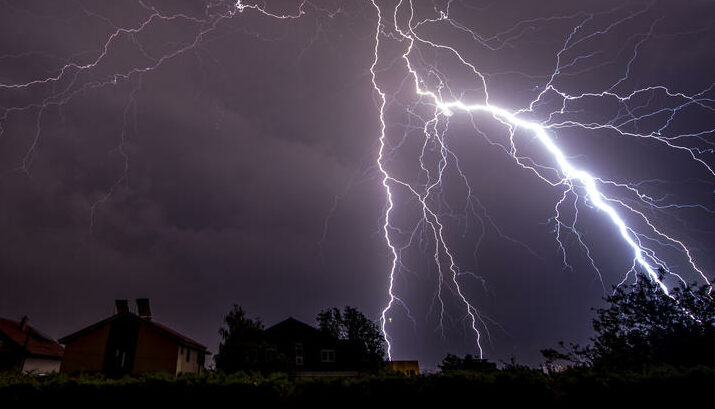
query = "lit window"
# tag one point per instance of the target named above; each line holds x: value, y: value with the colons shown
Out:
x: 327, y: 355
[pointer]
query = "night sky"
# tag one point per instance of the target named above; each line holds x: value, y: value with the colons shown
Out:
x: 203, y: 154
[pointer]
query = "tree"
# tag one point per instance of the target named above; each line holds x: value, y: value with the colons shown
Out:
x: 642, y: 326
x: 242, y: 342
x: 330, y: 322
x: 359, y: 331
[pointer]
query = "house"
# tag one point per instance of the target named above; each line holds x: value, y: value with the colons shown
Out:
x: 306, y: 351
x: 129, y: 343
x: 24, y: 348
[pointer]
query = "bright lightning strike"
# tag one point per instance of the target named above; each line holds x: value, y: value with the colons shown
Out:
x: 570, y: 177
x: 401, y: 41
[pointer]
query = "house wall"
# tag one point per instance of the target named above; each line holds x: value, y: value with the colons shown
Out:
x: 86, y: 353
x: 41, y: 366
x: 190, y: 366
x: 10, y: 354
x: 121, y: 346
x: 155, y: 352
x: 285, y: 336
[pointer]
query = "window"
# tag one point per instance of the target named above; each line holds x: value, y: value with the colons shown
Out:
x: 327, y: 355
x: 121, y: 357
x: 188, y: 354
x: 299, y: 354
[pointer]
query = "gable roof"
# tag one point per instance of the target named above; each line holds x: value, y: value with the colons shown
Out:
x: 291, y: 327
x: 183, y: 339
x: 38, y: 344
x: 163, y: 329
x: 294, y: 324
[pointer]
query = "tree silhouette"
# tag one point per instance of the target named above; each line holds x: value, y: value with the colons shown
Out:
x: 359, y: 331
x: 644, y: 327
x: 242, y: 342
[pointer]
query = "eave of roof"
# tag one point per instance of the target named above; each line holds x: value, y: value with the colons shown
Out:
x: 34, y: 342
x: 180, y: 338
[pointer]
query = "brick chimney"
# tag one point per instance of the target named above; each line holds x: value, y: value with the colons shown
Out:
x: 143, y: 308
x: 122, y: 306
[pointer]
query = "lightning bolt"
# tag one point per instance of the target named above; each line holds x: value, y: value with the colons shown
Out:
x: 426, y: 96
x: 575, y: 181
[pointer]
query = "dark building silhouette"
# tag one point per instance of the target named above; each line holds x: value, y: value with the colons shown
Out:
x: 24, y: 348
x: 306, y: 351
x: 128, y: 343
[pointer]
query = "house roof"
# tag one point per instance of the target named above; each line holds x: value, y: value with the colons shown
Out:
x: 176, y: 336
x: 291, y: 327
x: 38, y: 344
x: 291, y: 322
x: 182, y: 338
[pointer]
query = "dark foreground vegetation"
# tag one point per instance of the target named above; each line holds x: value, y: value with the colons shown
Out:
x: 579, y: 387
